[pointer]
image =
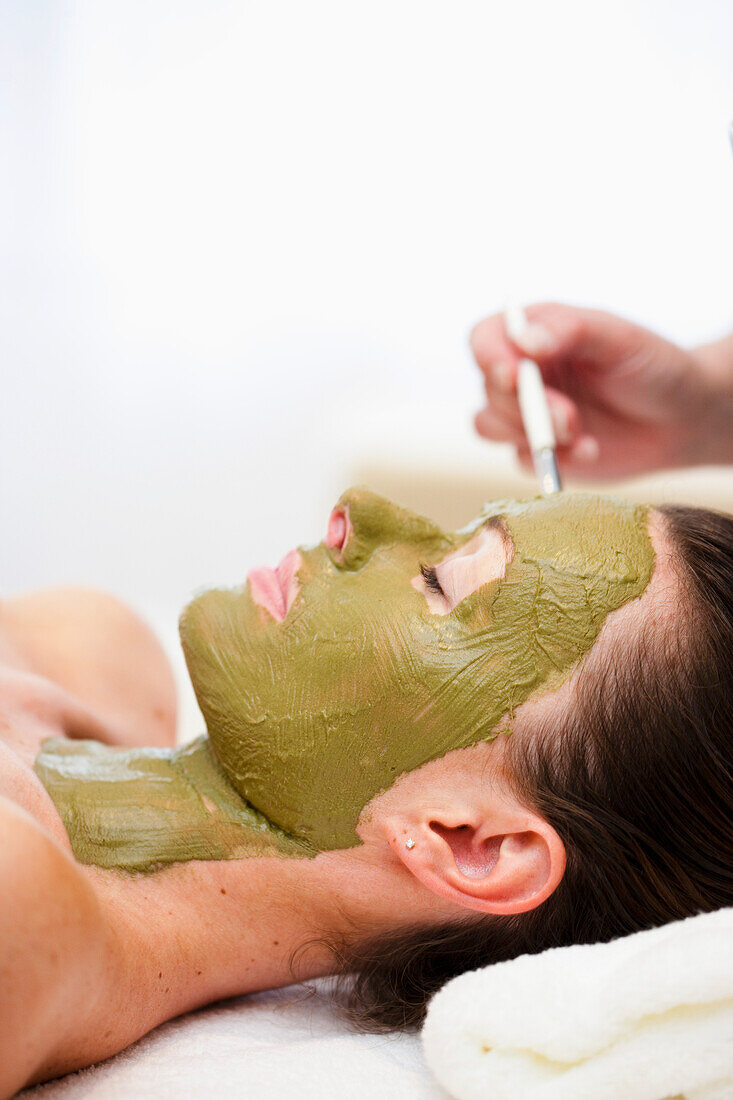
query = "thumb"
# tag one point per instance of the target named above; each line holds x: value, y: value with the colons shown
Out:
x: 559, y: 333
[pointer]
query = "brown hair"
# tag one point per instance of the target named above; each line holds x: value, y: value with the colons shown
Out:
x: 638, y: 783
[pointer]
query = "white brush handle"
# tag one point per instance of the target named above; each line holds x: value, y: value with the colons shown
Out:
x: 515, y: 322
x: 534, y: 408
x: 530, y: 387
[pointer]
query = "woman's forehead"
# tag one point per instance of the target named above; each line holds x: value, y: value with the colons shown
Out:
x: 571, y: 510
x: 584, y: 534
x: 579, y: 505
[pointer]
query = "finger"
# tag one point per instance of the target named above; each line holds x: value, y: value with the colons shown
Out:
x: 565, y: 417
x: 495, y: 354
x: 524, y: 458
x: 494, y: 427
x: 585, y: 451
x: 582, y: 454
x: 579, y: 461
x: 563, y: 333
x: 563, y: 412
x: 506, y: 408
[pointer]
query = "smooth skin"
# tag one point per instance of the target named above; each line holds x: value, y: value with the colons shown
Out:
x: 623, y: 400
x: 91, y: 960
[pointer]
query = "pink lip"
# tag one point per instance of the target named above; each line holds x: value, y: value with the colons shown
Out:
x: 276, y: 589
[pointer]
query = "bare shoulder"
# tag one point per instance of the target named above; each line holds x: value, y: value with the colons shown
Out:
x: 99, y: 650
x: 52, y: 950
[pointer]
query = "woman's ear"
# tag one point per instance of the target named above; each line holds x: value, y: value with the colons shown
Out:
x: 500, y: 858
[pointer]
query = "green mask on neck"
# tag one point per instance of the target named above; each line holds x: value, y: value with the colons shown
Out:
x: 312, y: 717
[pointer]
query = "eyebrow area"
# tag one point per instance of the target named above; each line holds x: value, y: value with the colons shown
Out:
x: 482, y: 559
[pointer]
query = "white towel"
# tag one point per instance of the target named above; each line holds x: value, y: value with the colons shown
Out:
x: 646, y: 1017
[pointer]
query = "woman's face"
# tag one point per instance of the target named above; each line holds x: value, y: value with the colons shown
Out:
x: 394, y: 641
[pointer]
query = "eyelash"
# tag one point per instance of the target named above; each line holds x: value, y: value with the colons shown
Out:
x: 430, y: 577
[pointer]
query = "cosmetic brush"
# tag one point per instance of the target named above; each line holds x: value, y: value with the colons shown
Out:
x: 534, y: 408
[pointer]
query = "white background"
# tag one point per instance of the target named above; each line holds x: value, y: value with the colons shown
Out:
x: 231, y: 233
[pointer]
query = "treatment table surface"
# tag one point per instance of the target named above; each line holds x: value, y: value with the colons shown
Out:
x: 280, y: 1044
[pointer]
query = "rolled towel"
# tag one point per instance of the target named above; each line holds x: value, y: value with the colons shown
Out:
x: 645, y: 1017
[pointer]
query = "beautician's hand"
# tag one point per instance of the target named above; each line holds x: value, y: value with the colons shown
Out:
x: 623, y: 400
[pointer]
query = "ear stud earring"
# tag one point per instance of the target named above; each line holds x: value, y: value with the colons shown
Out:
x: 409, y: 843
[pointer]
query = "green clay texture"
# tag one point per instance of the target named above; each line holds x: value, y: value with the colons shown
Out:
x: 314, y: 716
x: 140, y: 809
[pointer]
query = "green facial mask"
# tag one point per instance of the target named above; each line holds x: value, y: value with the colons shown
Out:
x: 312, y: 717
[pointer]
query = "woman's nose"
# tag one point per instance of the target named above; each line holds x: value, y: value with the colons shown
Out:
x: 340, y: 529
x: 375, y: 520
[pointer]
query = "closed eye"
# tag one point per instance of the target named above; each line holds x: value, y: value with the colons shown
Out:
x: 430, y: 576
x: 482, y: 559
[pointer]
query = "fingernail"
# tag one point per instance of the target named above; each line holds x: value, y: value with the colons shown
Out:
x: 587, y: 449
x: 501, y: 376
x: 536, y: 339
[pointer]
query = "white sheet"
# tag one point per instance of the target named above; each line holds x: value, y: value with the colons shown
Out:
x: 281, y: 1044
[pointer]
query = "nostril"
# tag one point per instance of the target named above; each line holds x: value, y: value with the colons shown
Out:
x: 336, y: 534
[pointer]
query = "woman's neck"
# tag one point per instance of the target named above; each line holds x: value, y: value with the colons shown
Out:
x: 201, y: 931
x: 226, y: 903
